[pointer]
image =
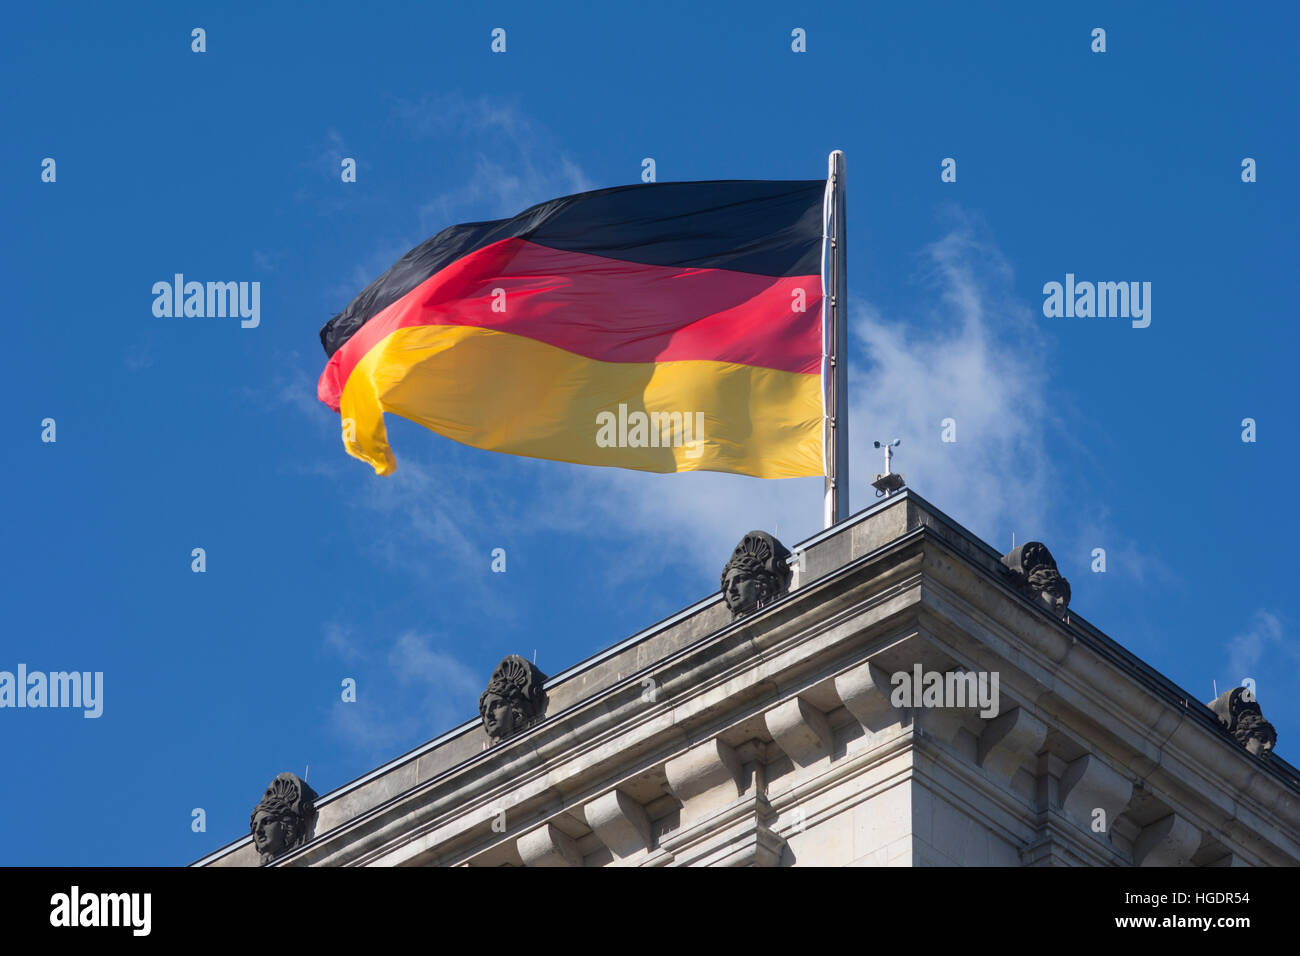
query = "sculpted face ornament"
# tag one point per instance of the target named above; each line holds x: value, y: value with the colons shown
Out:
x: 514, y: 699
x: 757, y: 574
x: 282, y: 820
x: 1033, y: 571
x: 1238, y: 711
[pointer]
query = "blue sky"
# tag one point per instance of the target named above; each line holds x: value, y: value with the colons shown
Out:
x: 174, y: 434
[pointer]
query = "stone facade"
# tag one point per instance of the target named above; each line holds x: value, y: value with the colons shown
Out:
x: 774, y: 740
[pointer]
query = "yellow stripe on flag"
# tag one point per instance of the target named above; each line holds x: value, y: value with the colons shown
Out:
x: 508, y: 393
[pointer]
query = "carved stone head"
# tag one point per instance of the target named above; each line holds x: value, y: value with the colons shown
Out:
x: 514, y: 699
x: 282, y: 821
x: 1239, y: 712
x: 1033, y: 571
x: 757, y: 574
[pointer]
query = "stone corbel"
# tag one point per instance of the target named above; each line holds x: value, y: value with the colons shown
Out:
x: 865, y: 691
x: 704, y: 778
x: 1170, y: 841
x: 944, y: 723
x: 620, y: 823
x: 801, y: 730
x: 940, y: 722
x: 1010, y: 740
x: 1088, y: 784
x: 548, y: 845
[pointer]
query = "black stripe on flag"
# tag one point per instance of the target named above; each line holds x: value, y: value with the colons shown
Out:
x: 763, y: 227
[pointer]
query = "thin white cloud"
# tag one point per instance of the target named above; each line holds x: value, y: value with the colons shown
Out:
x: 966, y: 352
x: 1125, y: 559
x: 441, y: 523
x: 419, y: 691
x: 439, y: 675
x: 332, y: 154
x: 365, y: 728
x: 139, y: 357
x: 293, y: 386
x: 1260, y: 652
x: 508, y: 162
x: 322, y: 185
x: 268, y: 260
x: 339, y: 641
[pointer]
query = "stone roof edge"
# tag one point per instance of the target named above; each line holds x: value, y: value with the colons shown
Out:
x: 1097, y: 640
x: 1121, y: 657
x: 684, y: 652
x: 583, y: 665
x: 849, y: 568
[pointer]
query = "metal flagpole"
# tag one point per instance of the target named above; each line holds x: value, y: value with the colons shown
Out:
x: 835, y: 367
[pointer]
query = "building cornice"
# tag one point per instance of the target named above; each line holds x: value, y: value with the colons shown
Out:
x: 866, y: 587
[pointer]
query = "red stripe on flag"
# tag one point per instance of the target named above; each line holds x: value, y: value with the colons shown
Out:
x: 606, y: 309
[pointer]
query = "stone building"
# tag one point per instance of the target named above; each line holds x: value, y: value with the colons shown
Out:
x: 777, y: 738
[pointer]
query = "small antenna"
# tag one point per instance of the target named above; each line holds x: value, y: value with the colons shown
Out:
x: 1215, y: 685
x: 305, y: 772
x: 534, y: 655
x: 1013, y: 541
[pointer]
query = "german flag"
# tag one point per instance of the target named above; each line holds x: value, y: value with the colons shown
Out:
x: 662, y: 327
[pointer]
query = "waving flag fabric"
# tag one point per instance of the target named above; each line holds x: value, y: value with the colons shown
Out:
x: 662, y: 327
